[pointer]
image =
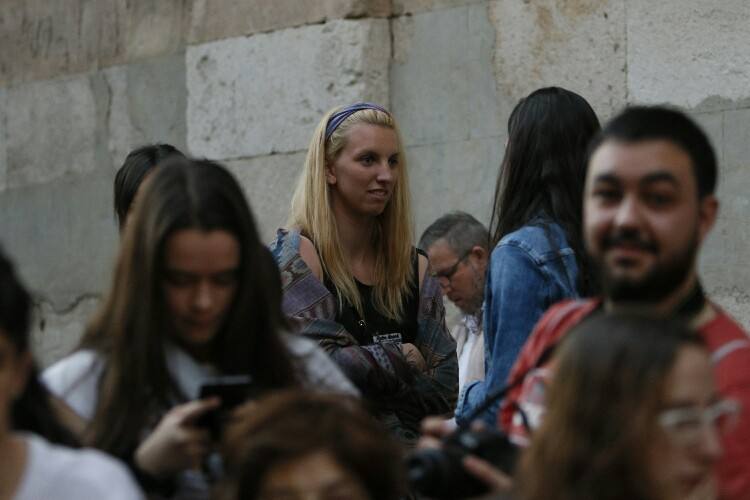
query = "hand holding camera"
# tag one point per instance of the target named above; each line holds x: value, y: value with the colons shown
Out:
x: 461, y: 463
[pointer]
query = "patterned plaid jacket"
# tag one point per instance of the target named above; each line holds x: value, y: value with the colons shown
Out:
x: 401, y: 395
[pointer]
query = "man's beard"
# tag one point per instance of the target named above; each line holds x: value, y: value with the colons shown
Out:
x: 474, y: 305
x: 658, y: 283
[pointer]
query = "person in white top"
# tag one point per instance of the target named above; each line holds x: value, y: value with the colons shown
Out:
x: 31, y: 467
x: 457, y: 245
x: 194, y: 295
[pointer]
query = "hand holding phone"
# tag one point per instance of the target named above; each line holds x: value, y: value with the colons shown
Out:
x: 231, y: 391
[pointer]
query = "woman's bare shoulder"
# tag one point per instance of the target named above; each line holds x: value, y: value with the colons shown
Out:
x: 309, y: 254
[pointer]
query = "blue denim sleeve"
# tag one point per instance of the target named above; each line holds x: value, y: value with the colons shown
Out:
x: 516, y: 296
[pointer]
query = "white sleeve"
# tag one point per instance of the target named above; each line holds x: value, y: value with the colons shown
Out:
x: 75, y: 380
x: 319, y: 370
x: 101, y: 476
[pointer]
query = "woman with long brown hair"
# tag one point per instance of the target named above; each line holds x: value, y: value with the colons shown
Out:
x: 194, y: 295
x: 352, y: 277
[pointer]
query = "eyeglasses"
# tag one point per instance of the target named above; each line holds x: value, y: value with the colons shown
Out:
x: 448, y: 273
x: 686, y: 425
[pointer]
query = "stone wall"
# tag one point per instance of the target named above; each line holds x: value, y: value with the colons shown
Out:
x: 84, y: 81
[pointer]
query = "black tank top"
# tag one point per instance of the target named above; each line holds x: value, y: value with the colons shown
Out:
x: 373, y: 327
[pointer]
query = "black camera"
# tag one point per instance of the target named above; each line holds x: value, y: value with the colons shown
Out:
x: 439, y: 473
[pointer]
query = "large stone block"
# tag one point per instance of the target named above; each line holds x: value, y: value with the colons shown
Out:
x: 579, y: 45
x: 62, y: 235
x: 55, y: 333
x: 40, y: 39
x: 442, y: 81
x: 148, y: 102
x: 453, y: 176
x: 685, y: 52
x: 264, y: 94
x: 268, y: 183
x: 51, y: 130
x: 217, y: 19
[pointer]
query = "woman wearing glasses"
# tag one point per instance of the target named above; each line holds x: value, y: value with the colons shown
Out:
x: 535, y: 233
x: 352, y: 277
x: 632, y: 414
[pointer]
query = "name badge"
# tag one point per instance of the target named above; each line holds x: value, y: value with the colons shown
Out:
x: 390, y: 338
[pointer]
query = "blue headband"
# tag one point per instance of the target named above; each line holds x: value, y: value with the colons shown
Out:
x: 338, y: 117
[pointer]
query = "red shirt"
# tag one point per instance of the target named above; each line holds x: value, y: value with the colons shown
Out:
x: 728, y: 343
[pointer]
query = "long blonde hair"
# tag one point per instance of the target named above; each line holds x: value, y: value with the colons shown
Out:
x: 393, y: 238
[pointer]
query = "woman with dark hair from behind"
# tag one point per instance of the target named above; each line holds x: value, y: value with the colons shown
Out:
x: 272, y: 452
x: 538, y: 257
x: 34, y: 464
x: 632, y: 414
x: 195, y: 295
x: 134, y: 170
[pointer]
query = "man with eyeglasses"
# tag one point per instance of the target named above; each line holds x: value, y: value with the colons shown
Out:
x: 456, y: 244
x: 649, y: 204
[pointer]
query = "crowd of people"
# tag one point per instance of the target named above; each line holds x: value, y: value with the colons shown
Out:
x: 588, y: 362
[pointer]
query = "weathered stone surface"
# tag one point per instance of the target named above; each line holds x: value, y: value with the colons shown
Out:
x: 688, y: 51
x: 737, y: 140
x: 40, y: 39
x: 725, y: 255
x: 55, y: 333
x: 401, y: 7
x: 265, y: 94
x: 51, y: 130
x: 62, y: 235
x: 453, y: 176
x: 713, y: 124
x: 269, y: 182
x: 148, y: 102
x: 217, y: 19
x: 579, y: 45
x: 3, y: 141
x: 442, y: 81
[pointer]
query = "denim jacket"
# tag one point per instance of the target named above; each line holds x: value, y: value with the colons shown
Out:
x: 530, y: 269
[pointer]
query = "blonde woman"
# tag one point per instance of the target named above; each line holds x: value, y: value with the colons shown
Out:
x: 351, y: 274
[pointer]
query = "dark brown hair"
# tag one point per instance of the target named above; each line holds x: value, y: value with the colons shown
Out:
x: 130, y: 327
x: 293, y: 424
x: 601, y: 411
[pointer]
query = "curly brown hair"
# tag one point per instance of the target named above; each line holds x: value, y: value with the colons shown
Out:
x: 292, y: 424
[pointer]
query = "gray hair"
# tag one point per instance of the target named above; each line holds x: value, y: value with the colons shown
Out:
x: 460, y: 230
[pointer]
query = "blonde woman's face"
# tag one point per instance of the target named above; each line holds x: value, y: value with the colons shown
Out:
x: 363, y: 177
x: 684, y: 454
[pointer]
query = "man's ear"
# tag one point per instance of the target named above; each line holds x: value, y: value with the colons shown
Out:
x: 330, y: 174
x: 708, y: 211
x: 479, y: 252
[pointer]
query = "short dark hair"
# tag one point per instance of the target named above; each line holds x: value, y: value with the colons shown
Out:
x: 289, y: 425
x: 460, y: 230
x: 651, y: 123
x: 132, y: 172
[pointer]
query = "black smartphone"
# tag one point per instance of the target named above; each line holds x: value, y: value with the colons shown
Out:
x: 232, y: 390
